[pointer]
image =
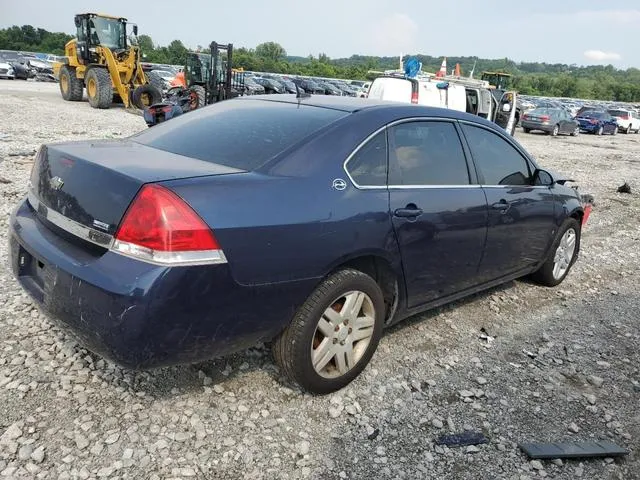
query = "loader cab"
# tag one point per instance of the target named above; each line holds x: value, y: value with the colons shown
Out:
x: 93, y: 30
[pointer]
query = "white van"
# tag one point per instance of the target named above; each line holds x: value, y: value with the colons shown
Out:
x: 496, y: 105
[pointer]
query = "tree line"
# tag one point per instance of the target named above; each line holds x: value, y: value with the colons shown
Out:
x: 529, y: 78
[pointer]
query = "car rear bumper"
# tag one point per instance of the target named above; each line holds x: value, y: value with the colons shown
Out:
x: 141, y: 315
x: 537, y: 126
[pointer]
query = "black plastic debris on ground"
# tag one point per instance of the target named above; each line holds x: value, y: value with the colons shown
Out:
x: 625, y: 188
x: 373, y: 435
x: 462, y: 439
x: 600, y: 448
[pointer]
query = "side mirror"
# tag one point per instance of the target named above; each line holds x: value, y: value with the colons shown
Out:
x: 506, y: 107
x: 135, y: 30
x: 542, y: 177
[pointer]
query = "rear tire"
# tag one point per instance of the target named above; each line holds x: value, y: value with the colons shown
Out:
x: 70, y: 85
x: 556, y: 130
x: 562, y: 256
x: 526, y: 130
x: 576, y: 132
x: 99, y: 88
x: 600, y: 131
x: 324, y: 348
x: 628, y: 131
x: 199, y: 97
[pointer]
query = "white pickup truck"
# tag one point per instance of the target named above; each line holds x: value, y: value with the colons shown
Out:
x: 628, y: 120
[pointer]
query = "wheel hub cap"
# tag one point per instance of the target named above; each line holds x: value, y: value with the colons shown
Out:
x: 343, y: 334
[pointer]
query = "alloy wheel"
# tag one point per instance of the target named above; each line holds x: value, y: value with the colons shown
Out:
x: 564, y: 254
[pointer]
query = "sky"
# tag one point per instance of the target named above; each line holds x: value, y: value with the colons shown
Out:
x: 554, y: 31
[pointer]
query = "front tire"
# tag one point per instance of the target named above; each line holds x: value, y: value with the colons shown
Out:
x: 628, y: 131
x: 576, y: 132
x: 99, y: 88
x: 334, y: 333
x: 526, y: 130
x: 564, y: 252
x: 600, y: 130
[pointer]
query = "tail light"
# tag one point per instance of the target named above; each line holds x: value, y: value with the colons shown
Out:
x: 414, y: 97
x: 159, y: 227
x: 545, y: 118
x: 525, y: 116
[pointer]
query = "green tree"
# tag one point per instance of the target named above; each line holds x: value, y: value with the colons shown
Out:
x: 271, y: 51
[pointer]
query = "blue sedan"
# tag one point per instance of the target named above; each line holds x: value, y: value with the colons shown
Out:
x: 314, y: 223
x: 597, y: 122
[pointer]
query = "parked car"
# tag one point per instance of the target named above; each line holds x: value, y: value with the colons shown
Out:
x: 19, y: 65
x: 217, y: 246
x: 252, y: 87
x: 6, y: 71
x: 628, y: 120
x: 598, y: 122
x: 553, y: 121
x: 270, y: 86
x: 329, y: 89
x: 309, y: 86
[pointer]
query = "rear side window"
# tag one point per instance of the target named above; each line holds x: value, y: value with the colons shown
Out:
x: 368, y: 166
x: 426, y: 153
x: 498, y: 162
x: 242, y: 134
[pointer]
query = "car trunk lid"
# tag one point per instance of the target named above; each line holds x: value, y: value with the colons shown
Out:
x: 86, y: 187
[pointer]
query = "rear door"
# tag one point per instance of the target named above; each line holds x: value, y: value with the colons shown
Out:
x: 505, y: 113
x: 520, y: 223
x: 394, y: 89
x: 439, y: 216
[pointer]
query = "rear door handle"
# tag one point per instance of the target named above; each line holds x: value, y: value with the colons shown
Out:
x: 410, y: 211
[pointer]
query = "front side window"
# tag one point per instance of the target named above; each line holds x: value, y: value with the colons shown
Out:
x: 426, y: 153
x: 368, y: 166
x: 498, y: 162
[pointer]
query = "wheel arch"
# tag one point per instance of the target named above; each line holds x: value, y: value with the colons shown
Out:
x: 381, y: 268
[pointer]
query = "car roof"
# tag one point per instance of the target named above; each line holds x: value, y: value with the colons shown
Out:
x: 355, y: 104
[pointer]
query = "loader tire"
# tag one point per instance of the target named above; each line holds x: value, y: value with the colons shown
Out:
x: 197, y: 97
x: 156, y: 80
x: 99, y: 88
x: 70, y: 85
x: 145, y: 96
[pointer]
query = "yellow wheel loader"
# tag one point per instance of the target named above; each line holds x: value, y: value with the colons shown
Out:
x: 101, y: 60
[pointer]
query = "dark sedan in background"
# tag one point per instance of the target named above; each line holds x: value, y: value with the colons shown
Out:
x: 597, y: 122
x: 553, y: 121
x: 314, y: 223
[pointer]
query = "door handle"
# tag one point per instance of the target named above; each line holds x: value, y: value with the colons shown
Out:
x: 410, y: 211
x: 501, y: 205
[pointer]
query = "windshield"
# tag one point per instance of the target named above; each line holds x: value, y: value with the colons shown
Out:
x: 108, y: 32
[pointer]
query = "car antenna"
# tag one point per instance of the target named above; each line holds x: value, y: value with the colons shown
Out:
x: 299, y: 94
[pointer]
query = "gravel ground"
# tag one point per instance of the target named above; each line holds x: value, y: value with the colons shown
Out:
x: 519, y: 363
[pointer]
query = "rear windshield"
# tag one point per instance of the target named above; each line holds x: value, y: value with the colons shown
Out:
x: 593, y: 114
x: 242, y: 134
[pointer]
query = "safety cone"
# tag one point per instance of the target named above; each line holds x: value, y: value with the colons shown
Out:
x: 457, y: 72
x: 443, y: 68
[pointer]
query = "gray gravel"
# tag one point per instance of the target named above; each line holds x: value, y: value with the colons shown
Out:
x: 519, y: 363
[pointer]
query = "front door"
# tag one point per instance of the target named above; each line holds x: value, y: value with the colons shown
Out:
x: 520, y: 213
x: 439, y: 217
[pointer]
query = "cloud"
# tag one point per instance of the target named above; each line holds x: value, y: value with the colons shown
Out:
x: 600, y: 56
x: 395, y: 34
